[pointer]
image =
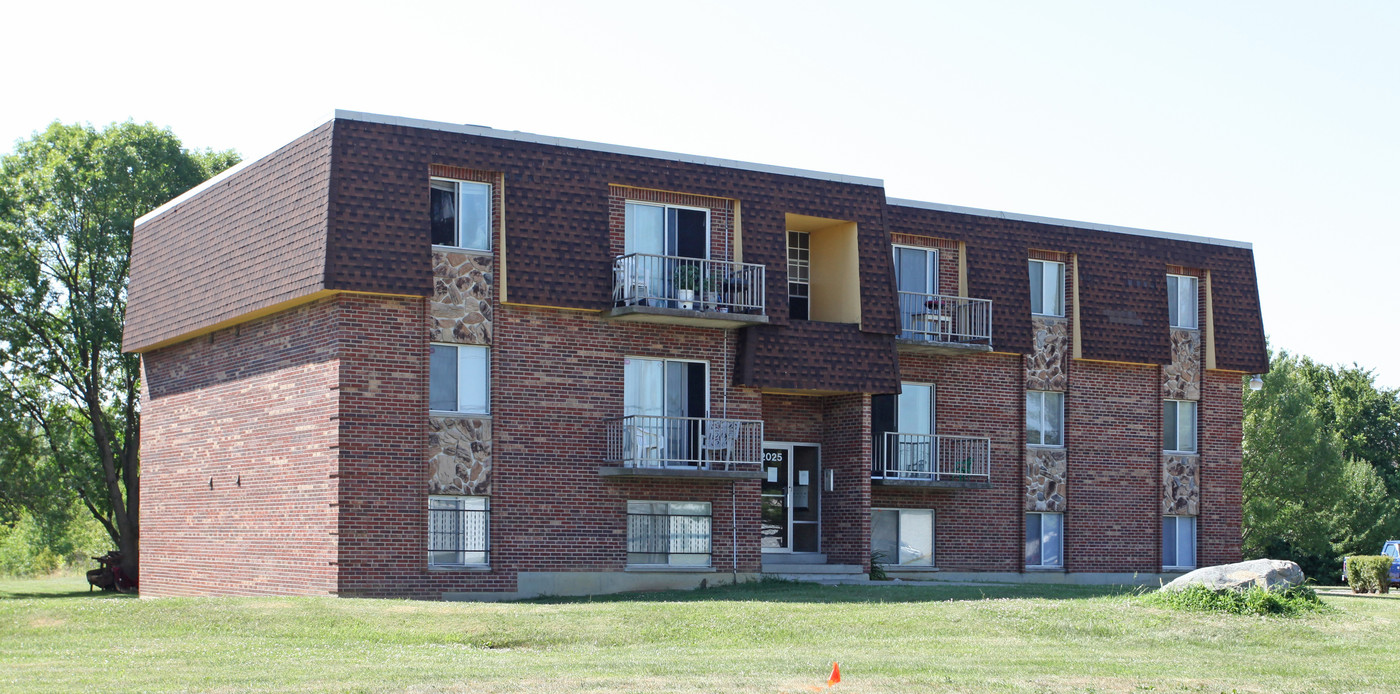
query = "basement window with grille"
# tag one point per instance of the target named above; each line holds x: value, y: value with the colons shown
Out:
x: 668, y: 534
x: 458, y: 531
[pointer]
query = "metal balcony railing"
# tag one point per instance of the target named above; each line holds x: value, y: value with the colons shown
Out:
x: 938, y: 318
x: 701, y: 443
x: 699, y: 284
x: 933, y: 457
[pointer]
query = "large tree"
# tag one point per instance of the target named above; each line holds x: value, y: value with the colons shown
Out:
x: 1292, y: 468
x: 1320, y: 474
x: 69, y: 197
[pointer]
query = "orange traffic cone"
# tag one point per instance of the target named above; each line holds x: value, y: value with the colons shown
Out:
x: 835, y: 677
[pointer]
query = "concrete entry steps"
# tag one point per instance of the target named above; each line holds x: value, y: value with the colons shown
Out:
x: 813, y: 568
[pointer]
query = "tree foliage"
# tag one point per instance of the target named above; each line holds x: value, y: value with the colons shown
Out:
x: 1291, y: 464
x: 1321, y: 445
x: 69, y: 197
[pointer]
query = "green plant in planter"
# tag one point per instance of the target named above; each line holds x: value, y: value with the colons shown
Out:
x: 688, y: 277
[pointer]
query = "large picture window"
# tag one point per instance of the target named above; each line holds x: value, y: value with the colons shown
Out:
x: 458, y: 531
x: 902, y: 537
x: 1045, y: 418
x: 1047, y: 288
x: 1179, y: 425
x: 1178, y: 542
x: 1182, y: 301
x: 668, y: 533
x: 461, y: 214
x: 459, y: 379
x: 1045, y: 540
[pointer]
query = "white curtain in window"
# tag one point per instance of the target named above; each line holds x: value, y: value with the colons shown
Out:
x: 642, y: 387
x: 1182, y: 303
x: 1054, y: 300
x: 475, y: 217
x: 1054, y: 411
x: 916, y: 270
x: 915, y: 538
x: 1186, y: 541
x: 1187, y: 423
x: 473, y: 379
x: 915, y: 409
x: 1051, y: 534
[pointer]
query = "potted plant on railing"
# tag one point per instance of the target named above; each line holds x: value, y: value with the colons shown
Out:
x: 711, y: 289
x: 687, y: 282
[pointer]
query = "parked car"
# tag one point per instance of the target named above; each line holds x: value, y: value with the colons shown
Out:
x: 1392, y: 550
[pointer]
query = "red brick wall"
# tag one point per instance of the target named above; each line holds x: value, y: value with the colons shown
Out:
x: 792, y: 418
x: 279, y: 401
x: 974, y: 529
x: 846, y: 450
x: 557, y: 376
x: 1221, y: 416
x: 255, y: 405
x: 1113, y: 433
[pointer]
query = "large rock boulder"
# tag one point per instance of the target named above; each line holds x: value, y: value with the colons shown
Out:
x: 1272, y: 574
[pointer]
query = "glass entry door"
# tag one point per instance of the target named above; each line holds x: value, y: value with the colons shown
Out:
x: 790, y: 498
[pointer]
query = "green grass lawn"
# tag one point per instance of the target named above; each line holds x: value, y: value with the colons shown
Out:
x: 772, y: 637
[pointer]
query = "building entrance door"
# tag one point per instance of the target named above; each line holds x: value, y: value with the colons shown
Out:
x: 791, y: 498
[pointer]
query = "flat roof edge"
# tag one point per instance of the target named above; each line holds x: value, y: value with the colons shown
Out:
x: 517, y: 136
x: 1015, y: 216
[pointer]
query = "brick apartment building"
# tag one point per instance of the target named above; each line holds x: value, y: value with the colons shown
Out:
x: 406, y: 358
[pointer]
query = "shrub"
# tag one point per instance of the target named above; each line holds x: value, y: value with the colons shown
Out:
x: 877, y: 566
x: 57, y: 541
x: 1367, y: 573
x: 1254, y: 600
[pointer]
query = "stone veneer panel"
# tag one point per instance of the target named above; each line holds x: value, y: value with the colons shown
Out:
x: 1045, y: 366
x: 460, y: 310
x: 1181, y: 380
x: 459, y: 456
x: 1046, y: 470
x: 1181, y: 485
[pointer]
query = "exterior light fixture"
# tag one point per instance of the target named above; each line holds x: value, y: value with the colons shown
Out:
x: 1256, y: 383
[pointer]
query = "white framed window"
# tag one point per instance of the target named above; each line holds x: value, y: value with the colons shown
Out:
x: 915, y: 408
x: 459, y: 379
x: 1047, y: 288
x: 1045, y: 540
x: 904, y: 537
x: 668, y: 533
x: 1045, y: 418
x: 461, y: 214
x: 1178, y: 542
x: 458, y: 531
x: 1183, y: 301
x: 669, y: 230
x: 1179, y: 426
x: 916, y: 269
x: 799, y: 275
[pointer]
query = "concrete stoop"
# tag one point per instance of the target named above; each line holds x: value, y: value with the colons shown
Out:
x: 829, y: 574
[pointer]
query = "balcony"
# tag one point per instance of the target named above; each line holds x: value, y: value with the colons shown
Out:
x: 932, y: 460
x: 700, y: 447
x: 687, y: 291
x: 941, y: 324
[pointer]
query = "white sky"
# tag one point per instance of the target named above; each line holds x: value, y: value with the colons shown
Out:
x: 1269, y: 122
